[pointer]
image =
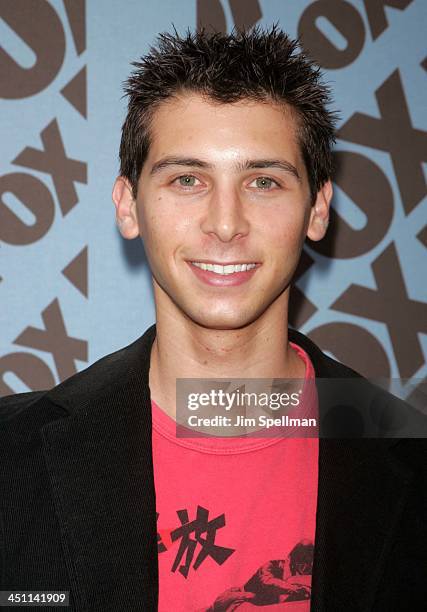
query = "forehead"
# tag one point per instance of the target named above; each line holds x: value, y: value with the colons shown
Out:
x: 190, y: 124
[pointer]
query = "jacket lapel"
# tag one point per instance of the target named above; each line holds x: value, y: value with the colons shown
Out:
x: 99, y: 460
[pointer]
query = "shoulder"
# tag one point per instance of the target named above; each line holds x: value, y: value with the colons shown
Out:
x: 25, y: 410
x: 354, y: 406
x: 23, y: 415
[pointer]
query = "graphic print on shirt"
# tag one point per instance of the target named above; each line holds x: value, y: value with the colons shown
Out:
x: 204, y: 531
x: 275, y: 584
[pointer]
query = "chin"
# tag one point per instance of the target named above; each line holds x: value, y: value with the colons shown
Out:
x: 222, y: 321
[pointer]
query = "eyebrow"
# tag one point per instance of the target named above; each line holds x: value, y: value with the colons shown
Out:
x: 249, y: 164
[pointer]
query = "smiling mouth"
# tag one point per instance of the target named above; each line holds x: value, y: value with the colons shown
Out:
x: 224, y: 269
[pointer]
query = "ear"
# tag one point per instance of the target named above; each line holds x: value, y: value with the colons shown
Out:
x: 126, y: 217
x: 319, y: 214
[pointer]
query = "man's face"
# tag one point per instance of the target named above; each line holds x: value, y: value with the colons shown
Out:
x: 223, y: 184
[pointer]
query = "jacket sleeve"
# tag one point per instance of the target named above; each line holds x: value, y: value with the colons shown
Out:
x: 11, y: 406
x: 2, y: 555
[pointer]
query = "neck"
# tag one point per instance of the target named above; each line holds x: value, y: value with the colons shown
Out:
x: 185, y: 349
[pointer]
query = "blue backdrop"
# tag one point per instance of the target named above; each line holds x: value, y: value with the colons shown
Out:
x: 72, y: 290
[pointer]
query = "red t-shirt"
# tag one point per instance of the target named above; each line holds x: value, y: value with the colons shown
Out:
x: 235, y: 517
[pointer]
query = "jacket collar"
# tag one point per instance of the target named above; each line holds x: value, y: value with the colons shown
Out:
x: 99, y: 459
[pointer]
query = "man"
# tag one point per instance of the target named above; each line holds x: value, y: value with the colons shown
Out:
x: 225, y: 170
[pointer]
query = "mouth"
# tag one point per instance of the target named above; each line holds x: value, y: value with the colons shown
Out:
x: 223, y: 274
x: 226, y: 268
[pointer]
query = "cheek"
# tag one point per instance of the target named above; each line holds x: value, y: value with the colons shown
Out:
x: 152, y: 220
x: 164, y: 230
x: 284, y: 240
x: 285, y: 231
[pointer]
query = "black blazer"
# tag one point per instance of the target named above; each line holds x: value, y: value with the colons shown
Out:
x: 77, y: 498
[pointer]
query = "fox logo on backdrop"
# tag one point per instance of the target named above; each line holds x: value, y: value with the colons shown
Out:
x: 66, y: 275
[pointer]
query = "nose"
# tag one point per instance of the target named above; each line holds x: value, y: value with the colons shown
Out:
x: 225, y: 216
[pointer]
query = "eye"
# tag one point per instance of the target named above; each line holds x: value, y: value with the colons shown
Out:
x: 265, y: 183
x: 186, y: 180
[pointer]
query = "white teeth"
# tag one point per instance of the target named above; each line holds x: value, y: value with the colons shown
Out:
x: 228, y: 269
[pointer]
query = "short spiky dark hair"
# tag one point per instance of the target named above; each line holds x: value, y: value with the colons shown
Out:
x: 260, y: 65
